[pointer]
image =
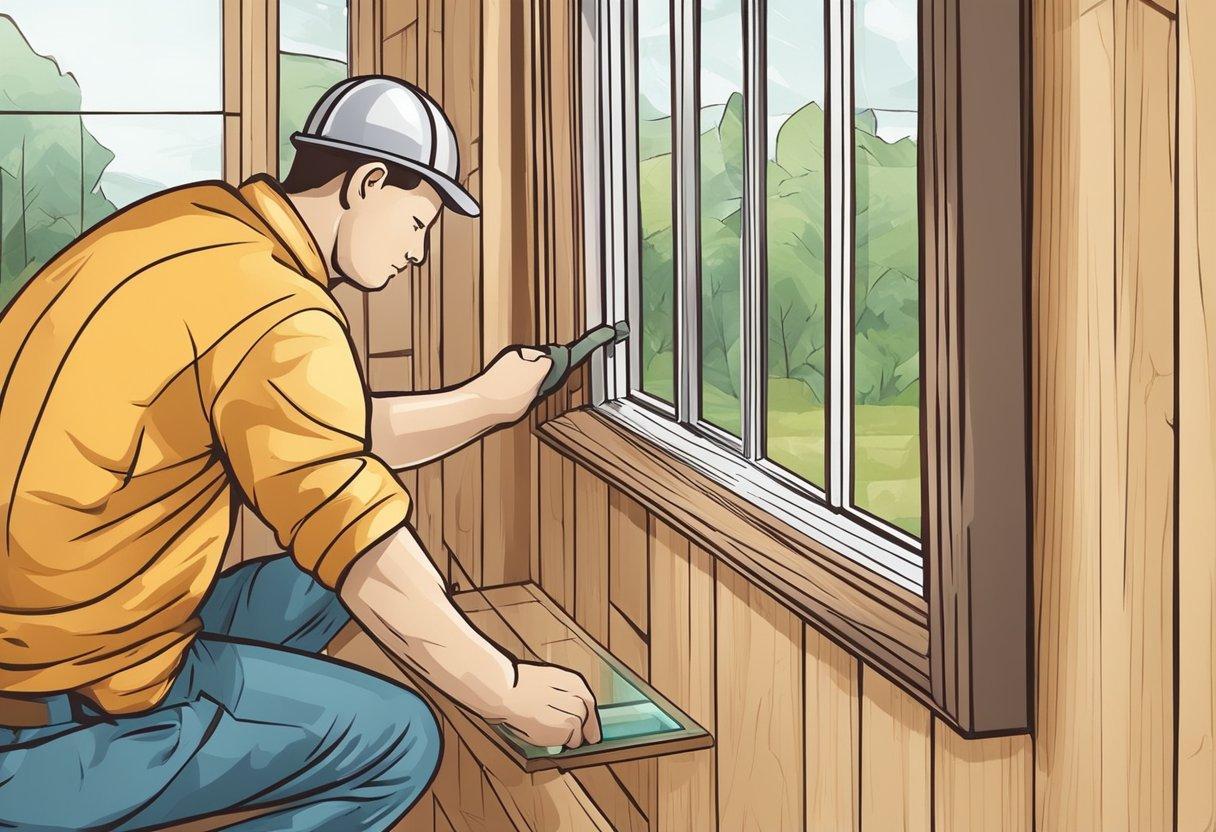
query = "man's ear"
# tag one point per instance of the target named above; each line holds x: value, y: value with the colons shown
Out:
x: 363, y: 180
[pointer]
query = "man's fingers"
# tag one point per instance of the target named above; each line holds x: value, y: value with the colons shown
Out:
x: 576, y: 732
x: 591, y: 721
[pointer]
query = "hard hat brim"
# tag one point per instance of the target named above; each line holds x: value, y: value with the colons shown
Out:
x: 450, y: 191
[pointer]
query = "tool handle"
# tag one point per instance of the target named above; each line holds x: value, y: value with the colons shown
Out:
x: 566, y: 357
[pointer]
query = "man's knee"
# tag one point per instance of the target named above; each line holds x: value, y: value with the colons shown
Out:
x: 407, y: 752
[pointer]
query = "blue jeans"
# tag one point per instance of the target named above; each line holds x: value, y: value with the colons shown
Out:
x: 254, y: 720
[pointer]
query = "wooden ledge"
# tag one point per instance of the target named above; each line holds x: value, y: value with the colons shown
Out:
x: 522, y: 620
x: 884, y: 623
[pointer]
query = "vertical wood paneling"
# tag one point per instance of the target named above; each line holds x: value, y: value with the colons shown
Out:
x: 896, y: 737
x: 1137, y: 512
x: 628, y: 559
x: 1196, y: 651
x: 981, y: 785
x: 1073, y: 251
x: 1104, y: 446
x: 760, y: 708
x: 833, y: 737
x: 682, y: 669
x: 591, y: 554
x: 507, y: 228
x: 556, y: 526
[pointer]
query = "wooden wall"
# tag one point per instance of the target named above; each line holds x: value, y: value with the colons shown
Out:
x: 1124, y: 469
x: 1124, y: 546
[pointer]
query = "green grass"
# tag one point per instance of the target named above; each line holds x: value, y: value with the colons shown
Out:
x: 886, y: 446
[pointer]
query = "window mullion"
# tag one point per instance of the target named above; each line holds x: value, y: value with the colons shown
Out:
x: 753, y: 250
x: 688, y: 294
x: 840, y: 253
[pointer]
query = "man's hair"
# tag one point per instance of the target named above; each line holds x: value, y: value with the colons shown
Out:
x: 316, y: 166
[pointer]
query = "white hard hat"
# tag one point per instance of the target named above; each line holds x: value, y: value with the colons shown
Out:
x: 387, y: 118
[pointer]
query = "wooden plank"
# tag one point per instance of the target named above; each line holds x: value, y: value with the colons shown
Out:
x: 895, y: 758
x: 390, y: 315
x: 507, y: 227
x: 397, y: 15
x: 682, y: 668
x: 833, y: 736
x: 1196, y: 648
x: 257, y: 539
x: 591, y: 553
x: 555, y: 574
x: 1073, y: 252
x: 629, y: 558
x: 1137, y: 383
x: 982, y: 785
x: 364, y: 22
x: 390, y: 374
x: 627, y: 644
x: 759, y: 722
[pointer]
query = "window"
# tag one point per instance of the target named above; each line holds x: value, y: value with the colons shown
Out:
x: 814, y: 217
x: 314, y: 54
x: 86, y: 129
x: 771, y: 210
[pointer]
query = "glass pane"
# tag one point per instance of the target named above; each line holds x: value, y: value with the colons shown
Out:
x: 657, y: 244
x: 886, y: 374
x: 312, y: 58
x: 108, y: 49
x: 795, y: 224
x: 720, y: 124
x: 78, y: 170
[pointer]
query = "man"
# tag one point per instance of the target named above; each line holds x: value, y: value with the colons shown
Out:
x: 179, y: 358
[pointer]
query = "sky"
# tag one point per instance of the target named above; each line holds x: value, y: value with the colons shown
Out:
x: 885, y: 46
x: 110, y: 46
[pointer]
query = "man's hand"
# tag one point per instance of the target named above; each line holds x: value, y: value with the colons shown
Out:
x: 551, y: 706
x: 510, y: 384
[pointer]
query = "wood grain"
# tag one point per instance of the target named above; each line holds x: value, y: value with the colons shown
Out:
x: 1196, y: 649
x: 591, y: 553
x: 877, y: 619
x: 1073, y: 251
x: 982, y: 785
x: 682, y: 668
x: 508, y: 299
x: 759, y: 709
x: 833, y: 736
x: 896, y: 775
x: 629, y: 559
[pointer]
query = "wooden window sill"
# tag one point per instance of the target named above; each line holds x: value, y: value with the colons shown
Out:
x: 884, y: 623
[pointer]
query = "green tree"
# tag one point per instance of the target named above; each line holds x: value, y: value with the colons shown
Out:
x: 303, y: 79
x: 50, y: 165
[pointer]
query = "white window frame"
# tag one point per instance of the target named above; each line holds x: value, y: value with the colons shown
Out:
x: 612, y: 267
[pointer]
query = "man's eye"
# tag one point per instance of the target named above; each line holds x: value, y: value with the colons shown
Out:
x: 417, y: 224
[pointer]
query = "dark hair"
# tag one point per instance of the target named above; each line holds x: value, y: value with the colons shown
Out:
x: 315, y: 166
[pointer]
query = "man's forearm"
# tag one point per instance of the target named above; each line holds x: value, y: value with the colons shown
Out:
x: 409, y: 429
x: 397, y: 595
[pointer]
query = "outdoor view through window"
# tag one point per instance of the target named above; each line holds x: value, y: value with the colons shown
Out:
x: 86, y: 128
x: 885, y: 343
x: 313, y: 56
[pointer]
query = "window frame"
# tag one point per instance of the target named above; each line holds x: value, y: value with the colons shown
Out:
x: 974, y: 555
x: 251, y: 78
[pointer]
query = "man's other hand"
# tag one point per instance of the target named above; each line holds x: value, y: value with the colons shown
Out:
x: 551, y: 706
x: 510, y: 384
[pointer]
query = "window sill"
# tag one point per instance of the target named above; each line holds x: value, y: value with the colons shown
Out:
x: 885, y: 623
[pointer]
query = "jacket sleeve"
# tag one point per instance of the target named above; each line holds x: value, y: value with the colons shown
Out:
x: 292, y: 422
